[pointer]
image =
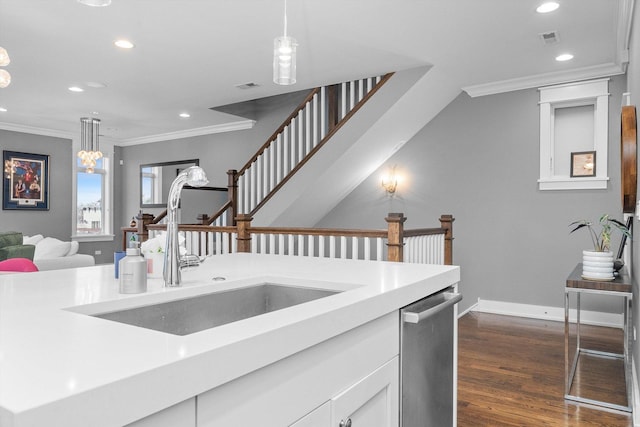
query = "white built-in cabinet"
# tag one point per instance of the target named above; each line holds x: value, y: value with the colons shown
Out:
x: 371, y: 402
x: 353, y: 376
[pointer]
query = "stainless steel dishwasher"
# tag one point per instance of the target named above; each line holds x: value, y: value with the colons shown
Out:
x: 427, y: 351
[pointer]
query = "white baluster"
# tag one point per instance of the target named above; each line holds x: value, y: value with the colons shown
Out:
x: 316, y: 119
x: 354, y: 247
x: 332, y: 246
x: 321, y: 253
x: 294, y: 142
x: 367, y: 248
x: 279, y: 158
x: 272, y: 165
x: 343, y: 100
x: 258, y: 183
x: 281, y: 250
x: 272, y: 243
x: 343, y: 247
x: 352, y: 95
x: 311, y: 245
x: 301, y: 126
x: 285, y: 156
x: 234, y: 242
x: 300, y: 245
x: 379, y: 249
x: 307, y: 126
x: 323, y: 113
x: 360, y: 90
x: 292, y: 246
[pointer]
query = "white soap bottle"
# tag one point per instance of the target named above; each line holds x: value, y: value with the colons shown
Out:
x: 133, y: 272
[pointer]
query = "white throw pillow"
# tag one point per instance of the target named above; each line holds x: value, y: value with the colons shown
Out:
x: 74, y: 248
x: 50, y: 247
x: 26, y: 240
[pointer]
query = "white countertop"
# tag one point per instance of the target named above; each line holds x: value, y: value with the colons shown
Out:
x: 61, y: 367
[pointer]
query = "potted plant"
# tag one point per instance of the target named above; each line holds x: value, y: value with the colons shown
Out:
x: 598, y: 263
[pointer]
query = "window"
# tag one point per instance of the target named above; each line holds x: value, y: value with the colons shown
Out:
x: 92, y: 207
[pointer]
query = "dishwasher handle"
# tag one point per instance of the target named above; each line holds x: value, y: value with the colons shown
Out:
x: 451, y: 298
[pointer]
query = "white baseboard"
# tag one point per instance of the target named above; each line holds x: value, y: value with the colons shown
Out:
x: 597, y: 318
x: 472, y: 308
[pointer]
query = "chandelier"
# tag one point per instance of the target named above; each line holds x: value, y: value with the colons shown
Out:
x: 5, y: 77
x: 284, y: 56
x: 89, y: 144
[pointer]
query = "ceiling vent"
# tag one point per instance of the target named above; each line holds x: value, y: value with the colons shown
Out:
x: 249, y: 85
x: 549, y: 38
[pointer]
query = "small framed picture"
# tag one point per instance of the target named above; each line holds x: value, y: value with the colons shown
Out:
x: 583, y: 163
x: 26, y: 181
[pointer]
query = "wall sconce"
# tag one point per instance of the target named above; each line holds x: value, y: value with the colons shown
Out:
x: 390, y: 181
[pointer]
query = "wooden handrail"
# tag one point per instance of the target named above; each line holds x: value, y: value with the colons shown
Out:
x: 319, y: 231
x: 395, y: 233
x: 424, y: 232
x: 315, y: 149
x: 219, y: 213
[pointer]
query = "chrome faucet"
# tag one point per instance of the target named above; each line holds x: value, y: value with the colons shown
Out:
x: 195, y: 177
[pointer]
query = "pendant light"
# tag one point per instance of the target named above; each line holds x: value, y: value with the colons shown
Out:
x: 284, y: 56
x: 89, y: 143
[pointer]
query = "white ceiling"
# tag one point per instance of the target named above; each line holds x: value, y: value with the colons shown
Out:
x: 190, y: 54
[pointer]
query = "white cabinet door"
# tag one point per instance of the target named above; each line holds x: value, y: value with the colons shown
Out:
x: 320, y: 417
x: 371, y: 402
x: 182, y: 414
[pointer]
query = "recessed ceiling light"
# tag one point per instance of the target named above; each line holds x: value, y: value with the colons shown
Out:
x: 96, y: 85
x: 547, y: 7
x: 124, y: 44
x: 185, y: 115
x: 95, y: 3
x: 3, y: 110
x: 564, y: 57
x: 76, y: 89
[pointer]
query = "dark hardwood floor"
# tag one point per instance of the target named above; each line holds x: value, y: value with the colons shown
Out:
x: 511, y: 373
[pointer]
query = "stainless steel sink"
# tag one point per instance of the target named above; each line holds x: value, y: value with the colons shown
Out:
x: 189, y: 315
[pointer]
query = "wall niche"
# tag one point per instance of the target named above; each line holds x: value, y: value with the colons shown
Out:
x: 573, y: 120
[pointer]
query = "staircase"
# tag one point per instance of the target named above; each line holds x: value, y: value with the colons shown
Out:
x: 390, y: 109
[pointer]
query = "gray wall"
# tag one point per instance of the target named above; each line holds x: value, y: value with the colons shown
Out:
x: 56, y: 222
x: 479, y: 160
x: 633, y: 86
x: 217, y: 154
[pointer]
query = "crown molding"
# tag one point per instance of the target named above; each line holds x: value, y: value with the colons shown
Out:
x: 207, y: 130
x: 547, y: 79
x: 624, y: 20
x: 623, y: 31
x: 36, y: 130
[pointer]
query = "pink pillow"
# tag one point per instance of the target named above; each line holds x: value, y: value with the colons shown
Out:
x: 18, y: 264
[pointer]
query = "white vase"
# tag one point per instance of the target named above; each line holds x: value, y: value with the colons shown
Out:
x: 597, y: 265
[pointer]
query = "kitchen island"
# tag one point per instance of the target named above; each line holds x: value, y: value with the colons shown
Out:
x: 61, y: 366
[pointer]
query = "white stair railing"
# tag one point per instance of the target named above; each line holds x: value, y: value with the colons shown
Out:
x: 306, y: 129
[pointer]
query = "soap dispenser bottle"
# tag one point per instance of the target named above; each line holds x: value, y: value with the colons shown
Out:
x: 133, y: 272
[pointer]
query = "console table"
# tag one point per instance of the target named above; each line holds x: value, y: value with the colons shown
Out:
x: 621, y: 287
